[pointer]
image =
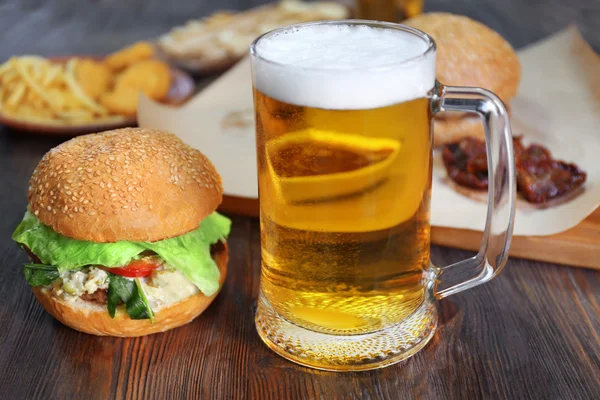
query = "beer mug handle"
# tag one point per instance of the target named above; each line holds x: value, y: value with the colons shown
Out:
x: 497, y: 234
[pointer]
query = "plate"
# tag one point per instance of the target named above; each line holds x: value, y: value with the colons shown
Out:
x: 182, y: 87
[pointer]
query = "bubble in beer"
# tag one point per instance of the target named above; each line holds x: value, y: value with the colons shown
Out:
x: 343, y: 66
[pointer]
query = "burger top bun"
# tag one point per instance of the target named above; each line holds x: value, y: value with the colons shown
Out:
x: 468, y: 54
x: 471, y: 54
x: 129, y: 184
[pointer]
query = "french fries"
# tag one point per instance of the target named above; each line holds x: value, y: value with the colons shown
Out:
x: 80, y: 91
x: 35, y: 89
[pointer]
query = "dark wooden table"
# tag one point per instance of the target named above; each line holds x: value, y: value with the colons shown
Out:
x: 533, y: 332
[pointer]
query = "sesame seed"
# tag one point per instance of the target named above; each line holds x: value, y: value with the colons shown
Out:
x: 49, y: 208
x: 92, y: 213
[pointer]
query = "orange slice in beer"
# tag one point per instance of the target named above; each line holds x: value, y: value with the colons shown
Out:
x: 313, y: 164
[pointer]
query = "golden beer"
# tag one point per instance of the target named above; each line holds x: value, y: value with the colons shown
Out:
x: 344, y: 152
x: 344, y: 212
x: 343, y: 141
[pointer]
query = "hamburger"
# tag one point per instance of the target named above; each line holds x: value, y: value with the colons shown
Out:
x: 468, y: 54
x: 122, y: 233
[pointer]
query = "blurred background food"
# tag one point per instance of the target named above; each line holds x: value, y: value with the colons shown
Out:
x: 388, y: 10
x: 468, y: 54
x: 102, y: 27
x: 207, y: 39
x: 79, y: 90
x: 219, y: 40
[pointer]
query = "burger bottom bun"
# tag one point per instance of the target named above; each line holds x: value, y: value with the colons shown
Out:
x: 94, y: 319
x: 451, y: 127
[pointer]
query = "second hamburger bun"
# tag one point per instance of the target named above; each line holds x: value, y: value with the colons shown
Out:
x: 129, y: 184
x: 468, y: 54
x: 94, y: 319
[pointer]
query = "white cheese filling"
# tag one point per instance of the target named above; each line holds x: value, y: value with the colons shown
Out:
x: 73, y: 284
x: 166, y: 287
x: 163, y: 287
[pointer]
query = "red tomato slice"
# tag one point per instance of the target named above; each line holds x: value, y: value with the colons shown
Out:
x: 137, y: 269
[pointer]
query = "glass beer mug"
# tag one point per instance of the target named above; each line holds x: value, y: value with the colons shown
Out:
x: 344, y: 149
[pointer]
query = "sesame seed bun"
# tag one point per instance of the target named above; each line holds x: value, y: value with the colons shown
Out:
x: 94, y: 319
x: 468, y: 54
x: 127, y: 184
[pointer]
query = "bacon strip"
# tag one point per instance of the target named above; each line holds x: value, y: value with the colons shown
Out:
x: 540, y: 177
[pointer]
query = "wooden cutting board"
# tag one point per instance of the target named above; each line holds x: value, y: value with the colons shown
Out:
x: 578, y: 247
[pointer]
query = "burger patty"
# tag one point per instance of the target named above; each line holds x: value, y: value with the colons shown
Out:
x: 100, y: 296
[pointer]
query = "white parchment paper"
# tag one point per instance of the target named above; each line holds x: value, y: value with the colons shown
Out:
x: 557, y: 105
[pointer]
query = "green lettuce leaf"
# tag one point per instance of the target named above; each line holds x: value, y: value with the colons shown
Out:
x: 68, y: 254
x: 188, y: 253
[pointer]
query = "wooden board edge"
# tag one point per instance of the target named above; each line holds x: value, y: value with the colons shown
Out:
x: 235, y: 205
x: 563, y: 250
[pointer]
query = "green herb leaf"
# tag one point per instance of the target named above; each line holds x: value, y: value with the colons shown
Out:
x: 131, y: 293
x: 144, y: 300
x: 40, y: 275
x: 119, y: 289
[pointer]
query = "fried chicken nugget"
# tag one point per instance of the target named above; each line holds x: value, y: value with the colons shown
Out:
x: 129, y: 55
x: 123, y: 101
x: 152, y: 77
x: 94, y: 77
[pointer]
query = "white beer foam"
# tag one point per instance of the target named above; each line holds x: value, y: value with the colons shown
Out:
x: 343, y: 67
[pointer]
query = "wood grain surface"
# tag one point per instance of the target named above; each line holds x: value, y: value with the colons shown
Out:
x: 531, y: 333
